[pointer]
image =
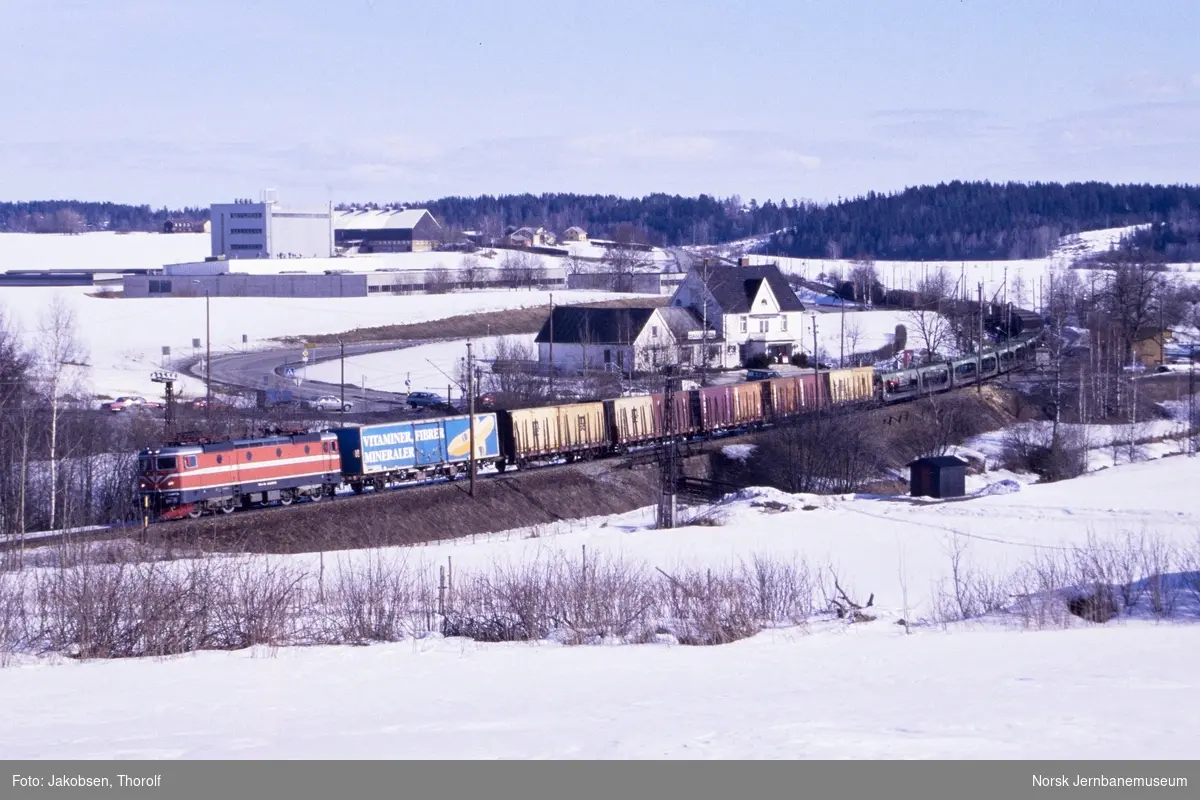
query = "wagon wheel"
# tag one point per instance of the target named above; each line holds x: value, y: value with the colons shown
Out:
x: 285, y: 497
x: 380, y: 483
x: 501, y: 465
x: 227, y: 506
x: 195, y: 511
x: 357, y: 486
x: 317, y: 495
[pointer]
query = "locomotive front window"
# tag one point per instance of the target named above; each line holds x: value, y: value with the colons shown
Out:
x: 166, y: 463
x: 145, y: 464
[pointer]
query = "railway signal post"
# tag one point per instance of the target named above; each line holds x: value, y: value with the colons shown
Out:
x: 668, y: 459
x: 168, y: 380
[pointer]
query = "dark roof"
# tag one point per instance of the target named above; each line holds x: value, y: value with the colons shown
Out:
x: 681, y: 321
x: 940, y: 461
x: 734, y: 288
x: 577, y: 325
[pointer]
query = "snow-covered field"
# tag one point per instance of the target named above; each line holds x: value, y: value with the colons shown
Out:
x: 1034, y: 274
x: 991, y: 688
x: 100, y: 250
x: 429, y: 367
x: 863, y: 694
x: 124, y: 338
x: 857, y: 331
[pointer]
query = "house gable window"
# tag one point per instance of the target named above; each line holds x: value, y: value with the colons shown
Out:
x: 745, y: 322
x: 783, y: 322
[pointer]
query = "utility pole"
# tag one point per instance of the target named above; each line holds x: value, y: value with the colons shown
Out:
x: 342, y: 345
x: 816, y: 366
x: 979, y: 350
x: 842, y: 353
x: 550, y: 366
x: 1192, y: 401
x: 208, y: 353
x: 208, y: 357
x: 471, y: 412
x: 814, y: 331
x: 704, y: 267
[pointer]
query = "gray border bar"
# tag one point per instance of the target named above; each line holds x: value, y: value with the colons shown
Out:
x: 615, y: 780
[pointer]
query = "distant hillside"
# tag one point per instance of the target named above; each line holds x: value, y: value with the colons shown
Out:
x: 957, y: 220
x: 78, y: 216
x: 974, y: 220
x: 950, y: 221
x: 1174, y: 241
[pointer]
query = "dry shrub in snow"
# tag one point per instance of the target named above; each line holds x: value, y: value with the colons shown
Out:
x: 1052, y: 457
x: 375, y: 599
x: 98, y: 606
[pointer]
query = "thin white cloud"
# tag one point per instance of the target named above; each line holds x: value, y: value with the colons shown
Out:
x: 1147, y: 84
x: 802, y: 160
x: 645, y: 146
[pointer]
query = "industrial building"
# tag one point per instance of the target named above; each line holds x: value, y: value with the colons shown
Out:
x: 246, y: 229
x: 330, y: 277
x: 387, y: 230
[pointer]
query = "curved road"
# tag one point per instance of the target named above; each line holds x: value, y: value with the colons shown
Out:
x: 266, y: 368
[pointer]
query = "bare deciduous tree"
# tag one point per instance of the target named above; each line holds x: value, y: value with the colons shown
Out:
x: 863, y: 277
x: 60, y: 357
x: 932, y: 330
x: 470, y: 271
x: 437, y: 279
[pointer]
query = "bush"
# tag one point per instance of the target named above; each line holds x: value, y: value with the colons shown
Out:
x: 1052, y: 458
x: 800, y: 360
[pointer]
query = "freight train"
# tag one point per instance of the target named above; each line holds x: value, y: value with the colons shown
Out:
x: 188, y: 480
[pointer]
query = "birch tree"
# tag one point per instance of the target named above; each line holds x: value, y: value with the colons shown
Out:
x: 60, y: 359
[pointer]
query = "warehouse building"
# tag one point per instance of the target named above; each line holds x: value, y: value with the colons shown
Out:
x: 246, y: 229
x: 331, y: 277
x: 386, y: 230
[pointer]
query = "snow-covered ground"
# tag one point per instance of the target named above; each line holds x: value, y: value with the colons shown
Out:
x: 1034, y: 274
x: 986, y: 689
x: 862, y: 694
x: 124, y: 337
x: 855, y: 331
x: 429, y: 367
x: 100, y: 250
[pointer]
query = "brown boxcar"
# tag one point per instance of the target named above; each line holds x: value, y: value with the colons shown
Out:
x: 716, y: 408
x: 730, y: 406
x: 634, y: 420
x: 796, y: 394
x: 748, y: 402
x: 851, y: 385
x: 550, y: 431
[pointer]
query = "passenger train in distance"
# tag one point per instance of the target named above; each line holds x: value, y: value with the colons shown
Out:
x: 191, y: 479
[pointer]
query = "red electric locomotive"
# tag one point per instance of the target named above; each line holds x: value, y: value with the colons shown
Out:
x: 187, y: 480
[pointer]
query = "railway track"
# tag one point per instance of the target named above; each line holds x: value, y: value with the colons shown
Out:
x: 634, y: 457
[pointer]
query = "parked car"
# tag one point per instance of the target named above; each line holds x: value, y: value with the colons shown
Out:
x: 761, y: 374
x: 425, y: 400
x: 330, y: 403
x: 125, y: 403
x: 202, y: 402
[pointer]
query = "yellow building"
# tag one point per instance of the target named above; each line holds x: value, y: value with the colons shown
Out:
x: 1149, y: 346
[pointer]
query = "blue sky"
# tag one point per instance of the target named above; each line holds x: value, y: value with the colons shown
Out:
x: 176, y: 103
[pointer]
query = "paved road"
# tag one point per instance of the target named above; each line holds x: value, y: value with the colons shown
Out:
x: 259, y: 369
